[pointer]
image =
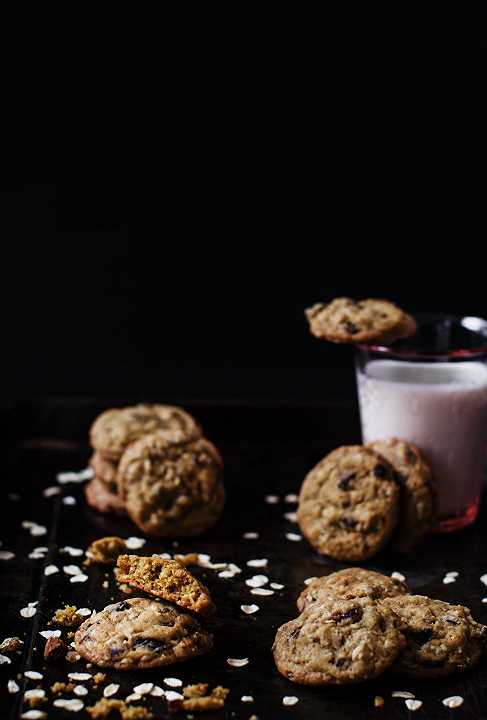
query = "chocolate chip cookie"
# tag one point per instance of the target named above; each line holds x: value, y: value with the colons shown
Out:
x: 105, y: 470
x: 348, y: 504
x: 100, y: 498
x: 336, y: 641
x: 115, y: 429
x: 349, y: 584
x: 441, y: 638
x: 138, y: 633
x: 418, y: 497
x: 167, y: 579
x: 172, y: 489
x: 344, y: 320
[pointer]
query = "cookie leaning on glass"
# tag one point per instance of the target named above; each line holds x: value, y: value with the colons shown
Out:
x: 359, y: 499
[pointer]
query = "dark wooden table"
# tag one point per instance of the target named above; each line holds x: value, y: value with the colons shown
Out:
x: 267, y: 450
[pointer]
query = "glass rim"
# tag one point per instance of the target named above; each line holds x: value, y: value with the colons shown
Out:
x: 473, y: 323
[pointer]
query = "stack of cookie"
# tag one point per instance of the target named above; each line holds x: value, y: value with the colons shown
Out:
x: 146, y: 632
x: 356, y: 624
x: 152, y: 463
x: 360, y: 498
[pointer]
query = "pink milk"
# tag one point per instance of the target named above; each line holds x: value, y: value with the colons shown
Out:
x: 442, y: 408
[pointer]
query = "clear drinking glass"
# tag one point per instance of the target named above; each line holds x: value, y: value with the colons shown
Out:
x: 431, y: 390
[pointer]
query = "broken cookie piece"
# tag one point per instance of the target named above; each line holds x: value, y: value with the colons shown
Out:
x: 167, y: 579
x: 196, y: 699
x: 105, y: 551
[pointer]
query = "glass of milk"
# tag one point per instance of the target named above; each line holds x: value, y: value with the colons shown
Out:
x: 431, y: 390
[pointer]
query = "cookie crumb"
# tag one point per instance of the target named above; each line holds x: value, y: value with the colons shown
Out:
x: 188, y: 559
x: 98, y: 678
x: 196, y: 699
x: 105, y: 551
x: 67, y: 617
x: 104, y: 708
x: 379, y: 701
x: 61, y: 687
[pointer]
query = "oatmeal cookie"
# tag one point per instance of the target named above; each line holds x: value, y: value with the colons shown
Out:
x: 172, y: 489
x: 115, y: 429
x: 100, y: 498
x: 349, y: 584
x: 167, y: 579
x: 105, y: 470
x: 418, y: 497
x: 441, y: 638
x: 138, y: 633
x: 344, y: 320
x: 348, y: 504
x: 336, y: 642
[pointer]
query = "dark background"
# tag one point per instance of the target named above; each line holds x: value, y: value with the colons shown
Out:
x: 198, y: 289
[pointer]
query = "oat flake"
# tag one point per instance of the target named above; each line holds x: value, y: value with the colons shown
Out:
x: 110, y: 690
x: 50, y: 633
x: 28, y: 612
x: 12, y: 687
x: 238, y: 662
x: 33, y: 675
x: 4, y: 660
x: 51, y: 570
x: 72, y: 705
x: 173, y: 682
x: 294, y: 537
x: 413, y: 705
x: 172, y: 695
x: 249, y: 609
x: 257, y: 563
x: 290, y: 700
x: 135, y: 543
x: 143, y: 689
x: 257, y: 581
x: 250, y: 536
x: 453, y: 702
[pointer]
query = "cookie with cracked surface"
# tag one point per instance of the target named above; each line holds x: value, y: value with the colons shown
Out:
x: 167, y: 579
x: 139, y: 633
x: 418, y: 497
x: 441, y: 638
x: 349, y: 584
x: 337, y: 642
x: 115, y: 429
x: 348, y: 504
x: 105, y: 470
x: 172, y: 489
x: 345, y: 320
x: 100, y: 498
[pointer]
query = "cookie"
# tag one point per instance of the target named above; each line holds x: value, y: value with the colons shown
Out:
x: 100, y: 498
x: 418, y: 497
x: 441, y: 638
x: 105, y: 470
x: 348, y: 504
x: 349, y: 584
x: 344, y: 320
x: 138, y: 633
x: 167, y: 579
x: 336, y: 642
x: 172, y: 489
x: 115, y: 429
